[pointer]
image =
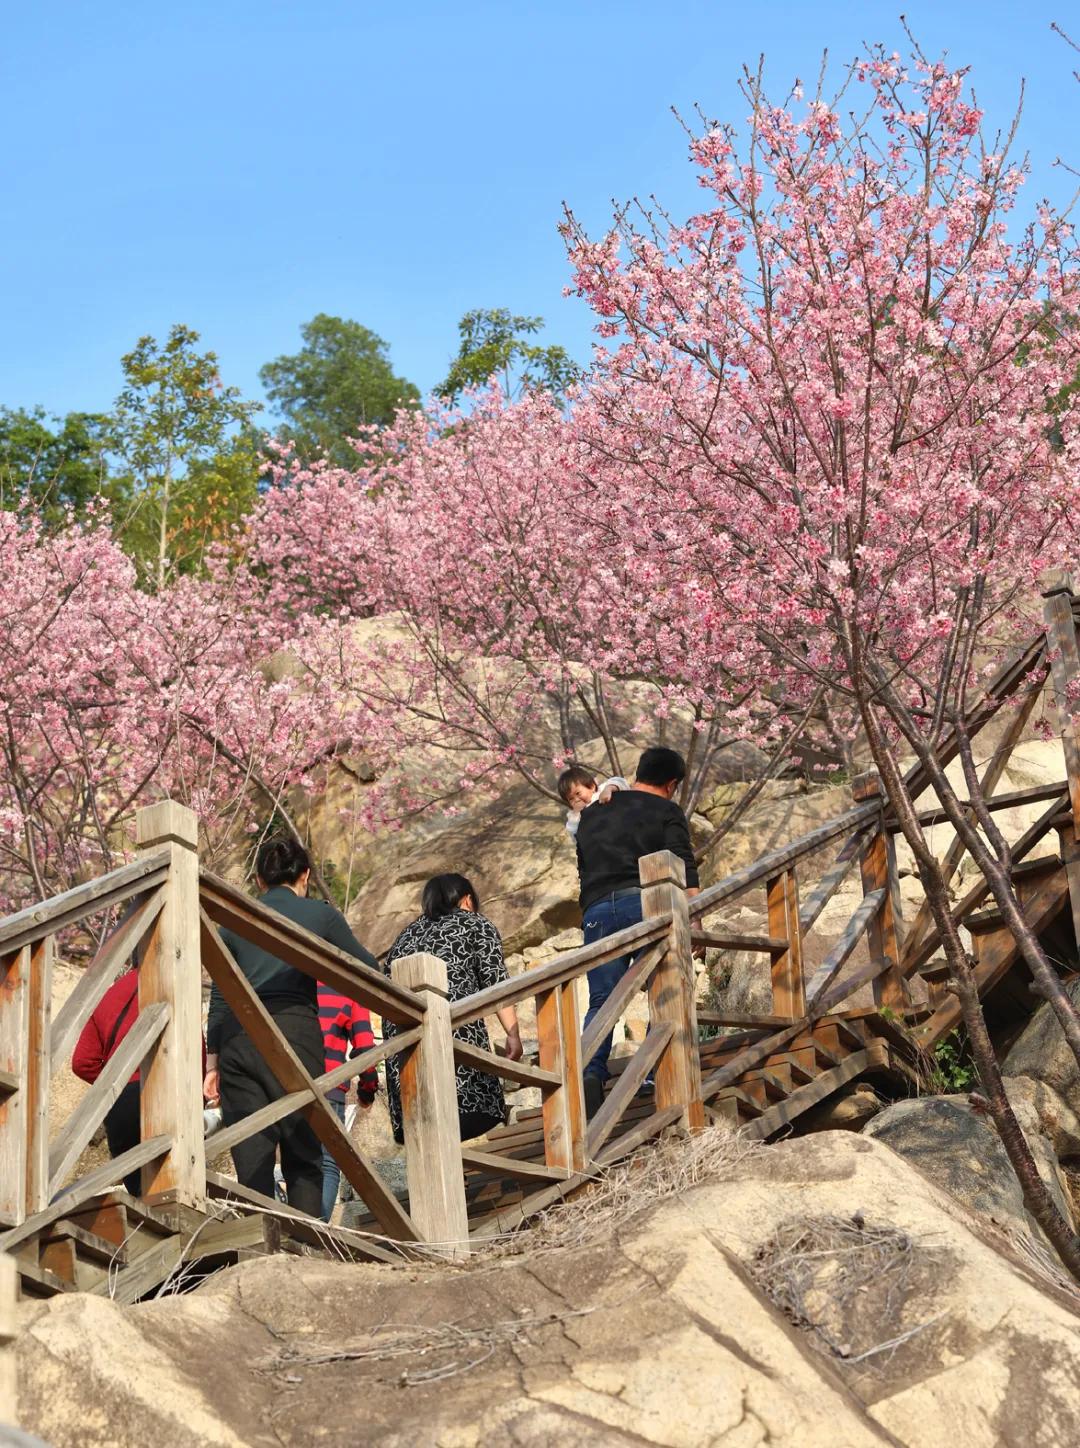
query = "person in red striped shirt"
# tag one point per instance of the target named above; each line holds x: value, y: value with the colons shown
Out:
x: 346, y: 1029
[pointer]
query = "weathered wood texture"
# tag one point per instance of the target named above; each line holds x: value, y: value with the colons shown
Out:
x: 171, y: 1101
x: 562, y: 1053
x: 878, y: 865
x: 788, y: 986
x: 293, y: 1077
x: 429, y: 1111
x: 9, y: 1331
x: 672, y: 988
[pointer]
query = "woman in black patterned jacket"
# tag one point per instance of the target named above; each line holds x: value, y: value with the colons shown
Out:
x: 452, y: 928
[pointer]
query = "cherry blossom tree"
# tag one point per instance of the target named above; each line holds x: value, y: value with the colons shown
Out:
x: 836, y: 381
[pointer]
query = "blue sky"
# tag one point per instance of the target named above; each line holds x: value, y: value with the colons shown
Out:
x: 243, y: 164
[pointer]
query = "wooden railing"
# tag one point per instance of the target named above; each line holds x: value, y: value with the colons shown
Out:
x: 163, y: 909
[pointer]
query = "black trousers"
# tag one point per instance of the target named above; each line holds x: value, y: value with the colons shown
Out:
x: 248, y: 1084
x: 122, y: 1131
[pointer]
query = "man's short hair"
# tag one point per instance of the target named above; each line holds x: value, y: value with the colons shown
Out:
x: 659, y: 766
x: 576, y: 774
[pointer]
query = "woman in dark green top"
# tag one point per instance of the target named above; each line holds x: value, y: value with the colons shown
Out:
x: 236, y: 1072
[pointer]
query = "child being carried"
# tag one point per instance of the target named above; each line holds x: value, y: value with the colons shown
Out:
x: 578, y: 789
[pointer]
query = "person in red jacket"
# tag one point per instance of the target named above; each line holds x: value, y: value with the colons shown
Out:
x: 113, y: 1016
x: 346, y: 1029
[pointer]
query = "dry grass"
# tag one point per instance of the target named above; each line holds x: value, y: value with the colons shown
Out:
x: 624, y: 1191
x: 845, y: 1282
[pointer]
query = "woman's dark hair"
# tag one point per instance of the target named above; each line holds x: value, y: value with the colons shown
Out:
x: 444, y: 893
x: 281, y: 861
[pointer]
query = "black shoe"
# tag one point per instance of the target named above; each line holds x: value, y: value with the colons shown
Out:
x: 594, y: 1094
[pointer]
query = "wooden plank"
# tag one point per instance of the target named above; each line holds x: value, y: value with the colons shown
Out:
x: 635, y: 979
x: 38, y: 1060
x: 62, y: 911
x: 788, y: 987
x: 99, y: 974
x: 733, y: 1018
x: 724, y: 940
x: 852, y: 933
x: 9, y: 1331
x: 526, y: 1171
x: 777, y: 860
x: 831, y: 881
x: 344, y: 1240
x: 15, y: 998
x: 559, y: 970
x: 88, y: 1243
x: 818, y: 1090
x: 86, y: 1187
x: 560, y: 1052
x: 292, y: 1075
x: 1015, y: 799
x: 996, y: 958
x: 978, y: 893
x: 229, y: 1237
x: 429, y: 1112
x: 170, y: 1098
x: 629, y: 1141
x: 235, y: 911
x: 466, y: 1054
x: 92, y: 1109
x: 672, y: 990
x: 754, y: 1054
x: 628, y: 1085
x: 882, y: 930
x: 230, y: 1136
x: 145, y: 1273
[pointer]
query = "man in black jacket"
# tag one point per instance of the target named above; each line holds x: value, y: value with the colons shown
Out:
x: 611, y: 839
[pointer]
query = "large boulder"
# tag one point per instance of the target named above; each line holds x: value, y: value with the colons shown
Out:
x: 1041, y: 1053
x: 817, y: 1294
x: 958, y: 1148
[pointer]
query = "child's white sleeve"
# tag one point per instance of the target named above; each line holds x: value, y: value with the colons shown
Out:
x: 573, y: 819
x: 616, y: 781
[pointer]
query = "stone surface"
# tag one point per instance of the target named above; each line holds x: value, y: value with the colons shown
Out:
x: 653, y: 1331
x: 958, y: 1149
x: 1042, y: 1054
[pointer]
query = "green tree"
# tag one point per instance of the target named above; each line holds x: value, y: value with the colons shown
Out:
x: 58, y: 462
x: 494, y: 343
x: 171, y: 421
x: 339, y: 381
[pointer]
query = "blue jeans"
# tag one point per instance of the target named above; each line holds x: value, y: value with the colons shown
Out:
x: 603, y: 918
x: 331, y: 1172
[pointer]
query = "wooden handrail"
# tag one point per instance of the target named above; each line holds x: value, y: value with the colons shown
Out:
x: 231, y: 909
x: 1037, y: 794
x: 776, y: 860
x: 61, y: 911
x: 557, y: 971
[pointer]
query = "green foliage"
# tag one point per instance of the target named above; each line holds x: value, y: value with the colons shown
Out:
x: 58, y: 462
x: 494, y: 344
x: 171, y: 427
x: 953, y: 1070
x: 340, y: 381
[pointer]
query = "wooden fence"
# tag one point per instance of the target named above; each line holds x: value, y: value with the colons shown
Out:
x: 761, y: 1073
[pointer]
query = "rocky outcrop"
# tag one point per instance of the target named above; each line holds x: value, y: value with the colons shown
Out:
x: 958, y: 1148
x: 698, y: 1321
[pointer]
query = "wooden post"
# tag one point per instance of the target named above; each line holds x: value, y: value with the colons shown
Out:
x: 788, y: 986
x: 671, y: 990
x: 38, y: 1063
x: 429, y: 1110
x: 878, y: 865
x: 15, y: 995
x: 9, y: 1416
x: 1065, y: 674
x: 560, y: 1050
x: 171, y: 971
